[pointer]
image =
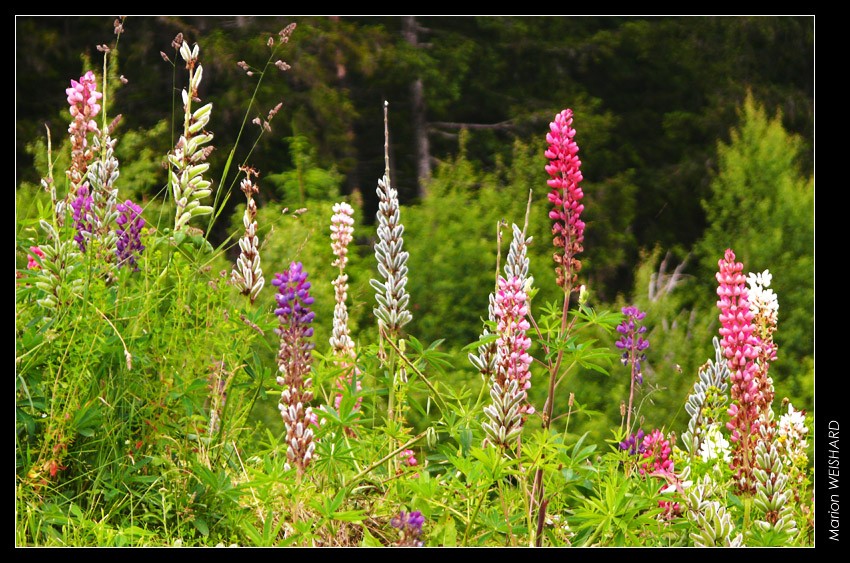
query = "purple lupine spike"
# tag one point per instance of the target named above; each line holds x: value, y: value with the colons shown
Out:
x: 294, y: 361
x: 633, y: 345
x: 410, y: 525
x: 83, y: 219
x: 130, y: 223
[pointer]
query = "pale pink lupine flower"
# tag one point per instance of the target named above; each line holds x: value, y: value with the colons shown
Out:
x: 82, y: 98
x: 342, y: 229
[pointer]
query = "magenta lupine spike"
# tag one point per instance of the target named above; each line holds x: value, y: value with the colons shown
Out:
x: 741, y: 348
x: 294, y: 361
x: 129, y: 244
x: 656, y: 450
x: 564, y: 169
x: 342, y: 230
x: 82, y: 97
x: 84, y: 221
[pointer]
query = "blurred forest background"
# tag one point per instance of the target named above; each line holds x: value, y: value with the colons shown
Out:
x: 696, y: 134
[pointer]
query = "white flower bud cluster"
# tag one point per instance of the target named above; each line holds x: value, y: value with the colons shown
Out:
x: 187, y: 182
x: 391, y: 295
x: 247, y: 274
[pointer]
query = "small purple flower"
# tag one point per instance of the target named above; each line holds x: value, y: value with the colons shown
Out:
x: 410, y: 525
x: 631, y: 341
x: 634, y: 443
x: 130, y: 223
x: 83, y: 219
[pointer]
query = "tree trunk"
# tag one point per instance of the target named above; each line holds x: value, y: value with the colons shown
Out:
x: 420, y: 124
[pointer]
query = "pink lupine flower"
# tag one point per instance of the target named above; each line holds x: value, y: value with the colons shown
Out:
x: 32, y: 263
x: 511, y: 323
x: 656, y: 450
x: 741, y: 348
x: 82, y: 97
x: 409, y: 457
x: 565, y: 170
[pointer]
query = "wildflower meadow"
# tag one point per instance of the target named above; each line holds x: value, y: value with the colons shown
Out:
x: 276, y: 389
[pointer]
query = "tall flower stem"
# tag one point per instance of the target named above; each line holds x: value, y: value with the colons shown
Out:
x: 568, y: 229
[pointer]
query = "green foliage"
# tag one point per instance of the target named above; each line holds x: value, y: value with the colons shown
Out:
x: 147, y: 403
x: 762, y: 207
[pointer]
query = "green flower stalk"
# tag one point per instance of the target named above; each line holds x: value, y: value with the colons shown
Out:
x: 713, y: 523
x: 187, y: 159
x: 60, y: 261
x: 706, y: 405
x: 771, y: 497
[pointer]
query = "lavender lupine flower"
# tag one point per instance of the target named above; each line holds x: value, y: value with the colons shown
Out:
x: 129, y: 244
x: 342, y: 229
x: 294, y: 361
x: 84, y: 221
x: 565, y: 170
x: 633, y: 346
x: 634, y: 443
x: 410, y: 525
x: 247, y: 274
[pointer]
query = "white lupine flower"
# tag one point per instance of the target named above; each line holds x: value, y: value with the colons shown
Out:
x: 714, y: 445
x: 762, y: 299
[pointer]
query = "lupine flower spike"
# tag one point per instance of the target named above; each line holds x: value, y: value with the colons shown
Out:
x: 633, y: 345
x: 410, y: 526
x: 342, y: 229
x: 511, y: 377
x: 704, y: 405
x: 247, y: 274
x: 83, y: 100
x: 391, y: 294
x: 128, y: 245
x: 741, y: 348
x: 765, y: 308
x: 294, y: 361
x: 187, y: 159
x: 564, y: 169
